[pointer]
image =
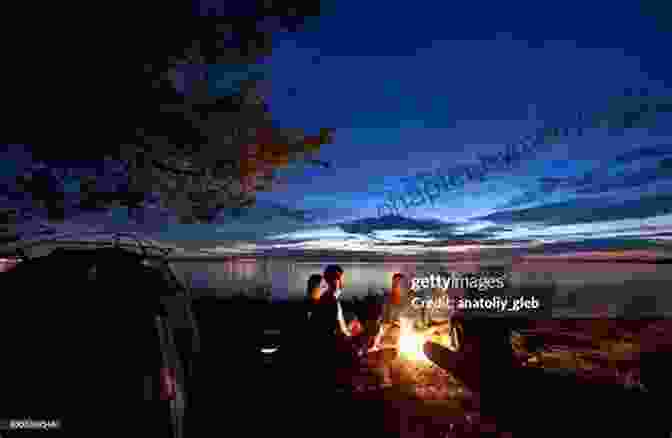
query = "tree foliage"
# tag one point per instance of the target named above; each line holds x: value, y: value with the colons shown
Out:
x: 140, y: 101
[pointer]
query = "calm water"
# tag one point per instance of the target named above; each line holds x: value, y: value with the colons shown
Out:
x: 288, y: 278
x: 579, y: 288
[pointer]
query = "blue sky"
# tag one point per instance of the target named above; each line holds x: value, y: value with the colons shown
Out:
x: 413, y: 89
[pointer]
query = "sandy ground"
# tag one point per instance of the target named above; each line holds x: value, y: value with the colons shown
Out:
x: 604, y: 350
x: 426, y: 400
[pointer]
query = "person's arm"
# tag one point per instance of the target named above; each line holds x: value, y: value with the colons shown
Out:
x: 387, y: 323
x: 386, y: 310
x: 383, y: 323
x: 379, y: 336
x: 435, y: 328
x: 342, y: 326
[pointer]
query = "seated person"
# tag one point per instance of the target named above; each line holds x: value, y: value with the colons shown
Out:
x: 312, y: 320
x: 358, y: 338
x: 370, y: 315
x: 395, y: 305
x: 321, y: 312
x: 314, y: 291
x: 327, y: 328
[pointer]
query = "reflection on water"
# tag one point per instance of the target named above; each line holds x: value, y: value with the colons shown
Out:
x: 575, y: 289
x: 231, y: 275
x: 288, y: 278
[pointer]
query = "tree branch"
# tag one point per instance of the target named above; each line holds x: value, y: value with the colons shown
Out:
x: 159, y: 165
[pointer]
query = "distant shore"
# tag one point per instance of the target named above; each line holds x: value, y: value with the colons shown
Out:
x: 485, y: 257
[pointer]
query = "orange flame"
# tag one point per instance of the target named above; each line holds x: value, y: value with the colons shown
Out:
x: 411, y: 343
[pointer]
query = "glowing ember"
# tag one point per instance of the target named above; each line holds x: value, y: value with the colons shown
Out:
x: 411, y: 343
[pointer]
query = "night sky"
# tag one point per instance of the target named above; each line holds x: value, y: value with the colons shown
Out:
x: 412, y: 90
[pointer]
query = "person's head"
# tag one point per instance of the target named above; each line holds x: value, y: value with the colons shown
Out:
x: 397, y: 281
x: 314, y: 289
x: 333, y: 275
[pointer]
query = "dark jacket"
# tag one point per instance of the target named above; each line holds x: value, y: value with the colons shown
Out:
x: 322, y: 322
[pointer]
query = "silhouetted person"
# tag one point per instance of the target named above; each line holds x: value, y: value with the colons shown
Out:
x: 395, y: 305
x: 314, y: 291
x: 371, y: 315
x: 335, y: 279
x: 486, y: 362
x: 324, y: 315
x: 394, y: 300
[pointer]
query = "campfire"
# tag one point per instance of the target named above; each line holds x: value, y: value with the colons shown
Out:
x: 411, y: 343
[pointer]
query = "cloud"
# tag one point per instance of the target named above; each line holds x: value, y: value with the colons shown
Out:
x: 629, y: 180
x: 525, y: 198
x: 264, y: 211
x: 461, y: 233
x: 600, y: 244
x: 395, y: 235
x: 585, y: 211
x: 475, y: 235
x: 601, y: 180
x: 390, y: 222
x: 644, y: 152
x: 460, y: 242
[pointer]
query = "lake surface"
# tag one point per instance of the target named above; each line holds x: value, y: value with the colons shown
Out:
x: 580, y: 289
